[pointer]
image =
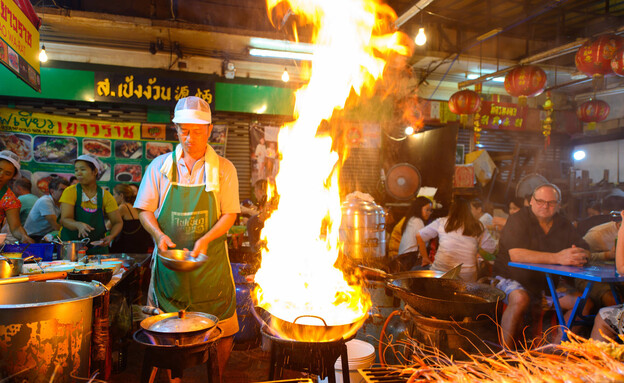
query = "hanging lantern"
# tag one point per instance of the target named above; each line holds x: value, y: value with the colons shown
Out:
x: 593, y: 111
x: 547, y: 123
x: 463, y: 103
x: 617, y: 62
x: 525, y: 81
x: 594, y: 57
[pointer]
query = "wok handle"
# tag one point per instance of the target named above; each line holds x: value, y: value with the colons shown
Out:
x: 373, y: 273
x: 35, y: 277
x: 311, y: 316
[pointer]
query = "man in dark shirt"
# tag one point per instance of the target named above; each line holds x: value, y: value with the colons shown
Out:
x: 535, y: 234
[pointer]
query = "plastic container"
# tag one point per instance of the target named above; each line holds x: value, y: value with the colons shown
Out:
x: 38, y: 250
x: 361, y: 355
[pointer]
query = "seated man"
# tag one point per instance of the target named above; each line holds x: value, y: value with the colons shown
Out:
x: 609, y: 319
x: 535, y: 234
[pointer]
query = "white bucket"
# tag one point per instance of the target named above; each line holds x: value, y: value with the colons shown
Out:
x: 361, y: 355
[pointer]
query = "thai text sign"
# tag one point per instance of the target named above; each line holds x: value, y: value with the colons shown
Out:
x: 501, y: 115
x: 19, y: 44
x: 150, y: 90
x: 37, y: 123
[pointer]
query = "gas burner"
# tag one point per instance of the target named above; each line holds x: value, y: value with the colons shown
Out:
x: 316, y: 358
x: 384, y: 375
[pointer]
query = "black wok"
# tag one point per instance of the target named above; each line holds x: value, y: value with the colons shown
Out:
x: 308, y: 328
x: 448, y: 298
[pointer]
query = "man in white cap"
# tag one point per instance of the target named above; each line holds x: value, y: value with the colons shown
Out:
x: 189, y: 199
x: 9, y: 204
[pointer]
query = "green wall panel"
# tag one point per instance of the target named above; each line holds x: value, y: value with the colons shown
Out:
x: 257, y: 99
x: 59, y: 84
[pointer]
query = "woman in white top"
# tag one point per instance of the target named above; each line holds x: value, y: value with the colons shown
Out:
x: 460, y: 236
x: 418, y: 213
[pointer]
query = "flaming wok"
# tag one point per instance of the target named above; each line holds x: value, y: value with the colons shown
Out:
x: 307, y: 328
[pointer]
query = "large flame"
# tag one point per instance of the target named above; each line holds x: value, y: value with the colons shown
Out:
x: 297, y: 279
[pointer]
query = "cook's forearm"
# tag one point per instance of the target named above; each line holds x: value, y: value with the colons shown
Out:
x: 150, y: 224
x: 221, y: 227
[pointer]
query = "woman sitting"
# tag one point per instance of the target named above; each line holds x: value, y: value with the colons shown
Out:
x: 83, y: 207
x: 415, y: 219
x: 133, y: 237
x: 460, y: 235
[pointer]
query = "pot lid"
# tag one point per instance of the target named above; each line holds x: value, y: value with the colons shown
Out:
x: 183, y: 322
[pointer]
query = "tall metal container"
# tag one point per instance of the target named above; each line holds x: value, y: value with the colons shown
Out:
x: 45, y: 330
x: 363, y: 231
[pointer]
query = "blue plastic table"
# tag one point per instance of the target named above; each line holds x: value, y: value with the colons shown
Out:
x: 601, y: 272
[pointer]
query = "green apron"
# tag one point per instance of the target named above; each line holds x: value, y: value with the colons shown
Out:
x: 188, y: 212
x: 95, y: 220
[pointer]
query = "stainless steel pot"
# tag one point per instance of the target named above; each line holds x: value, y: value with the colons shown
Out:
x: 363, y: 231
x: 69, y: 249
x: 11, y: 266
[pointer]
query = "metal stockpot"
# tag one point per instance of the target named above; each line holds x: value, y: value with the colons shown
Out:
x: 69, y: 249
x: 363, y: 231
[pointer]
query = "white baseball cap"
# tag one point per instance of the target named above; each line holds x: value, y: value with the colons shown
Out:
x: 13, y: 159
x: 99, y: 165
x: 192, y: 110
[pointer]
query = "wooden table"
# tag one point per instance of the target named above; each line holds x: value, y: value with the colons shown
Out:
x: 599, y: 272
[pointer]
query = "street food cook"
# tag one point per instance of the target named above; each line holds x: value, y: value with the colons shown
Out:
x: 188, y: 199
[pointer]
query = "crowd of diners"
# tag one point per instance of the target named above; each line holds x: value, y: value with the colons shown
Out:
x: 533, y: 230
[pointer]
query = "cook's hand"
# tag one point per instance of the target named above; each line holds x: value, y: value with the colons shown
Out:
x: 106, y: 241
x: 164, y: 242
x: 426, y: 261
x: 27, y: 239
x: 83, y: 229
x: 573, y: 256
x: 201, y: 247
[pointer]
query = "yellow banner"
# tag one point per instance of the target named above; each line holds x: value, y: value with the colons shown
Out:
x: 14, y: 120
x: 19, y: 33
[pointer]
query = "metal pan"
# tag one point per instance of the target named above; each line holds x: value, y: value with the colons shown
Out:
x: 179, y: 328
x: 315, y: 328
x: 448, y: 298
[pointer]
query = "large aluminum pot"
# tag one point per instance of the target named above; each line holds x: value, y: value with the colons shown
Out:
x: 45, y: 328
x: 11, y: 264
x: 363, y: 231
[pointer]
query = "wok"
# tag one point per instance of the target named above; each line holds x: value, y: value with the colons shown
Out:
x: 315, y: 329
x: 178, y: 328
x: 448, y: 298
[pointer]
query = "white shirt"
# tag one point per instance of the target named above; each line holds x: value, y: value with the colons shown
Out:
x: 408, y: 240
x: 456, y: 248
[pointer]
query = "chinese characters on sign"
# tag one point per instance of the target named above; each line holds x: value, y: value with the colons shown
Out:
x: 502, y: 115
x: 153, y: 90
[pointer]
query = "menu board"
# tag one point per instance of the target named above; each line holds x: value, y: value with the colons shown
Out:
x: 46, y: 154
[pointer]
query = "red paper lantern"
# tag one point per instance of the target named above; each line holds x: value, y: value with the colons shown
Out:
x: 593, y: 111
x: 464, y: 102
x: 525, y: 81
x: 617, y: 63
x: 594, y: 57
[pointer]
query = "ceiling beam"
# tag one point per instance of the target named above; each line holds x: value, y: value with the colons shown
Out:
x: 413, y: 11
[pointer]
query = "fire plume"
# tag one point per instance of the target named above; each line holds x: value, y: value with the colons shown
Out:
x: 297, y: 280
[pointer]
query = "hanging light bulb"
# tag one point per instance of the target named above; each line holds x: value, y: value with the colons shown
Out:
x: 285, y: 76
x: 409, y: 130
x: 421, y: 38
x: 43, y: 56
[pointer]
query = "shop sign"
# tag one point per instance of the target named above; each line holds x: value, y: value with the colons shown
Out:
x: 19, y: 44
x: 45, y: 124
x: 502, y: 115
x: 150, y: 90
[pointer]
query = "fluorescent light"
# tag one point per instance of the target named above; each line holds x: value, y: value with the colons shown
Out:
x: 489, y: 34
x: 280, y: 45
x: 280, y: 54
x: 473, y: 76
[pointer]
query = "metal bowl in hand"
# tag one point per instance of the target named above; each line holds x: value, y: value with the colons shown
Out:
x: 181, y: 260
